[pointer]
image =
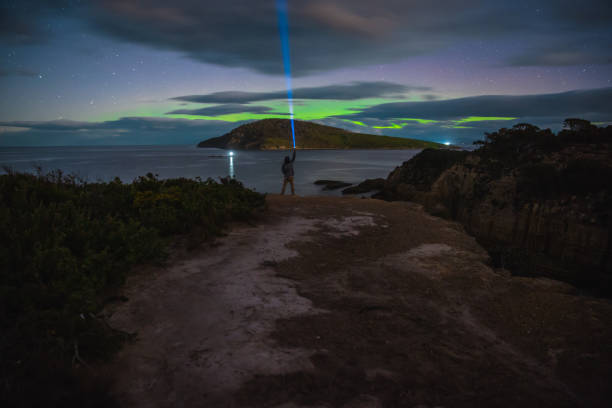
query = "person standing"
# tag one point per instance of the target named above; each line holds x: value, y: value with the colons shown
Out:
x: 288, y: 173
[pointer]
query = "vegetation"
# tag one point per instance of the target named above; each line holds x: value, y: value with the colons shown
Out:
x: 65, y: 244
x: 524, y: 140
x: 423, y: 170
x: 573, y: 162
x: 272, y: 134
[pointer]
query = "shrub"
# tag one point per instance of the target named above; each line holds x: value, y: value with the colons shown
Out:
x: 63, y: 243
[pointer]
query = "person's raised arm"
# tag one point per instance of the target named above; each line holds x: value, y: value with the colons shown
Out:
x: 293, y: 159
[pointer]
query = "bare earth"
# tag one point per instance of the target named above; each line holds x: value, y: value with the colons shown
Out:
x: 347, y: 302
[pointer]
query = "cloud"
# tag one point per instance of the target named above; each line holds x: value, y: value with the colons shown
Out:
x: 219, y: 110
x: 341, y: 18
x: 583, y: 49
x: 324, y: 34
x: 559, y: 58
x: 124, y: 131
x: 430, y: 97
x: 592, y: 103
x: 352, y: 91
x: 586, y: 14
x: 5, y: 72
x: 23, y: 21
x: 335, y: 34
x: 463, y: 120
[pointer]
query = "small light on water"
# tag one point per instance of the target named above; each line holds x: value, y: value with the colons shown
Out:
x: 231, y: 153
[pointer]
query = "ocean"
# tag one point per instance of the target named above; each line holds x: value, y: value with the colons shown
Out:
x: 259, y: 170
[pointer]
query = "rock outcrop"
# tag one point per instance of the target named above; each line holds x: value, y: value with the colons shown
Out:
x: 366, y: 186
x: 540, y: 203
x: 331, y: 184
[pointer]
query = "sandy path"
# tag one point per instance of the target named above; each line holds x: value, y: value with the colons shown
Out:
x: 203, y: 323
x: 355, y: 303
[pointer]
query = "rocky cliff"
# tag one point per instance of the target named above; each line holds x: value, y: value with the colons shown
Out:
x: 540, y: 203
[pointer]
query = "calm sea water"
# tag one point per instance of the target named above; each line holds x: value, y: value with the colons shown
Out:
x: 258, y: 170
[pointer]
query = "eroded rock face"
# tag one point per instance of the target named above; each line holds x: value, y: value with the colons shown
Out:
x: 539, y: 207
x: 418, y: 173
x: 545, y: 237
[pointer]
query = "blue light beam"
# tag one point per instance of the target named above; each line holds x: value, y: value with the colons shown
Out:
x: 283, y: 30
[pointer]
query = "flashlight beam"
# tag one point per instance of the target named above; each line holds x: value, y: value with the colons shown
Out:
x: 283, y: 30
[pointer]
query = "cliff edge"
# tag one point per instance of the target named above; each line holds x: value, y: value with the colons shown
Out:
x: 540, y: 202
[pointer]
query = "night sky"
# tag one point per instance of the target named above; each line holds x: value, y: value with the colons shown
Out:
x: 176, y: 72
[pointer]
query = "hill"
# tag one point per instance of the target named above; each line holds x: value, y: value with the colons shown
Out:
x: 275, y: 134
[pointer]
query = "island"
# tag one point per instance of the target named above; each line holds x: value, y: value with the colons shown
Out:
x: 275, y: 134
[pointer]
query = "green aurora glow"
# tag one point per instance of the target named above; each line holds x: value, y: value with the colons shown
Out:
x: 304, y: 110
x: 392, y: 126
x: 482, y: 119
x: 356, y: 122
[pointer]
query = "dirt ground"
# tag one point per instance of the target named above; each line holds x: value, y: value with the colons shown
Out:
x: 348, y: 302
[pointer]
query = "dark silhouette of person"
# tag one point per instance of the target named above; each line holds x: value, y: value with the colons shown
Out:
x: 288, y: 173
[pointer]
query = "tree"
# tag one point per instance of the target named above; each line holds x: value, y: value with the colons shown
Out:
x: 525, y: 127
x: 577, y: 125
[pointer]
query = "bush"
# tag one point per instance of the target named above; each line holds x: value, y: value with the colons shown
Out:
x: 63, y: 243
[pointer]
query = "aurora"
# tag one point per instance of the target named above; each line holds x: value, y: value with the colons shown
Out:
x: 482, y: 119
x: 340, y: 63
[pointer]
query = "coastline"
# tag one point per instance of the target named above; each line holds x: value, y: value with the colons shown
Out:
x: 330, y: 148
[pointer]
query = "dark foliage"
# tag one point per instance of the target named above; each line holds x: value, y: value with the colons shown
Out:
x: 523, y: 140
x: 64, y: 244
x: 550, y: 165
x: 425, y: 168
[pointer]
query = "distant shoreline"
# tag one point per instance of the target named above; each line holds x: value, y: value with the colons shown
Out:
x: 451, y: 147
x: 272, y: 134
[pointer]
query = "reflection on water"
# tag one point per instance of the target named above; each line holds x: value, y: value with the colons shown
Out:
x: 258, y: 170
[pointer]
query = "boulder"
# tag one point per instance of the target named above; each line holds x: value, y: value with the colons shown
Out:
x: 366, y: 186
x: 331, y: 184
